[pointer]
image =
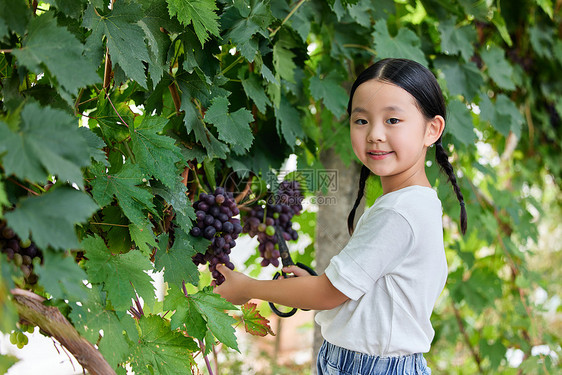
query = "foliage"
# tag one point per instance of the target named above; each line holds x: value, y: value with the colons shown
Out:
x: 113, y: 117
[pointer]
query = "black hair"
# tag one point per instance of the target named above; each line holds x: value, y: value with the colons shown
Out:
x: 422, y: 85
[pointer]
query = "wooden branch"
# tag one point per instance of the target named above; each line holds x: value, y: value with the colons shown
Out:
x: 475, y: 354
x: 175, y: 97
x: 50, y: 320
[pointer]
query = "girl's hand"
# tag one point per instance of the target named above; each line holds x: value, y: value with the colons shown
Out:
x: 296, y: 270
x: 234, y: 287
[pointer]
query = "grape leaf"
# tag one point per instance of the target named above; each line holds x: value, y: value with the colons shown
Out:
x: 460, y: 123
x: 95, y: 145
x: 193, y: 122
x: 457, y: 39
x: 283, y: 60
x: 123, y: 185
x: 503, y: 115
x: 186, y: 315
x: 125, y: 38
x: 16, y: 15
x: 462, y: 79
x: 7, y: 361
x: 47, y: 142
x: 212, y: 307
x: 254, y: 90
x: 160, y: 350
x: 62, y: 277
x: 143, y: 237
x: 73, y: 71
x: 199, y: 12
x: 121, y: 274
x: 50, y: 218
x: 92, y: 316
x: 156, y: 154
x: 288, y: 122
x: 176, y: 261
x: 233, y: 128
x: 330, y: 91
x: 243, y: 22
x: 156, y: 17
x: 4, y: 202
x: 254, y: 322
x: 405, y: 44
x: 499, y: 68
x: 177, y: 197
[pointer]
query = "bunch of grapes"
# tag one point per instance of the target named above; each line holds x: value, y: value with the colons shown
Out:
x: 22, y: 253
x: 277, y: 212
x: 18, y: 337
x: 215, y: 221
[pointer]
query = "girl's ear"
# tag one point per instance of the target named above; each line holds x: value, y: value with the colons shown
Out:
x: 433, y: 130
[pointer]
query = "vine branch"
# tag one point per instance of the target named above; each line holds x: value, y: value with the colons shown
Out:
x: 50, y: 320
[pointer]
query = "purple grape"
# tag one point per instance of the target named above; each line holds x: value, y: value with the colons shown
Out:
x: 196, y: 231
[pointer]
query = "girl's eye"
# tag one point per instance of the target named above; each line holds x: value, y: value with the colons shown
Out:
x: 360, y: 122
x: 392, y: 121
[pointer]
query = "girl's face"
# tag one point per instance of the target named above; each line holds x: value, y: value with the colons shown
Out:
x: 390, y: 135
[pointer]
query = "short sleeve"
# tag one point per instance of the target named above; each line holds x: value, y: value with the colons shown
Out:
x: 380, y: 242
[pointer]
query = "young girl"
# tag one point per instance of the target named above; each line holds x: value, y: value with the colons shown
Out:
x: 378, y: 293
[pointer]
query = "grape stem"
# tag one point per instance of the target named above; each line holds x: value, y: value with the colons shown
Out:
x: 23, y: 187
x: 207, y: 363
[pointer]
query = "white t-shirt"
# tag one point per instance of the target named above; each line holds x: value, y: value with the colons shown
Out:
x: 393, y: 269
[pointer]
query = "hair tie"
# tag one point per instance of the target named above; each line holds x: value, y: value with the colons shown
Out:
x: 462, y: 203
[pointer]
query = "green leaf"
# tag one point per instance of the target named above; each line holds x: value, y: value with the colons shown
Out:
x: 405, y: 44
x: 177, y: 197
x: 330, y: 91
x: 72, y: 71
x: 462, y: 79
x: 123, y: 185
x: 51, y: 217
x: 546, y: 5
x: 255, y: 91
x: 7, y: 361
x: 499, y: 68
x: 243, y: 20
x: 542, y: 39
x: 176, y: 261
x: 186, y: 315
x: 287, y: 118
x: 161, y: 350
x: 460, y: 123
x: 233, y: 128
x: 47, y: 143
x: 254, y: 322
x: 124, y: 37
x: 283, y: 59
x: 212, y: 307
x: 199, y: 12
x: 456, y: 40
x: 156, y: 20
x: 143, y: 238
x: 95, y: 145
x: 16, y: 15
x: 61, y: 276
x: 499, y: 22
x: 4, y: 202
x: 121, y: 274
x: 156, y: 154
x: 503, y: 116
x: 92, y: 316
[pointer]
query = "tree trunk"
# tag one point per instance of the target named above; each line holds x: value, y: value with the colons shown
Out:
x: 331, y: 225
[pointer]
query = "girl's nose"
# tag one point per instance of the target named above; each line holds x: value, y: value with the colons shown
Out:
x: 376, y: 134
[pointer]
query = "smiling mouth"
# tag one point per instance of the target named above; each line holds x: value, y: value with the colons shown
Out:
x: 379, y: 153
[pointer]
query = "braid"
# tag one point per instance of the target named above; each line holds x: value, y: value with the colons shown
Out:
x: 365, y: 172
x: 443, y: 160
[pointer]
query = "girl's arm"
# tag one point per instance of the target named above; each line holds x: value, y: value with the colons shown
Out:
x: 303, y: 292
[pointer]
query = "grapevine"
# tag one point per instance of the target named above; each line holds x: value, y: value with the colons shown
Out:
x: 23, y: 253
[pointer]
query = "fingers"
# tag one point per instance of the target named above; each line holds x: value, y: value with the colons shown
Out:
x: 296, y: 270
